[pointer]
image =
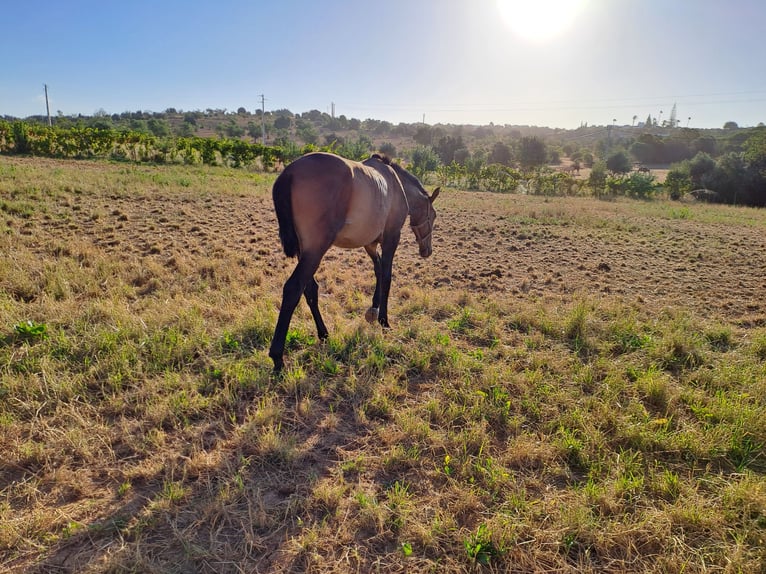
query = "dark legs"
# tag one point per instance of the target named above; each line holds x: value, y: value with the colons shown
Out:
x: 312, y: 298
x: 300, y: 282
x: 383, y: 264
x: 373, y: 313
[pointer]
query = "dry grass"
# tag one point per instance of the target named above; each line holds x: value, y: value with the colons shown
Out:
x: 569, y: 386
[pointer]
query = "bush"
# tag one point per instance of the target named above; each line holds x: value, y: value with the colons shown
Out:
x: 639, y: 185
x: 618, y: 162
x: 497, y: 177
x: 678, y: 183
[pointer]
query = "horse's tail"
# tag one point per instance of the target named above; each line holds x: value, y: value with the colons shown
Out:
x: 283, y: 205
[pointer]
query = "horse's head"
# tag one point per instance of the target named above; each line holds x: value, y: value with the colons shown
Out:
x: 423, y: 230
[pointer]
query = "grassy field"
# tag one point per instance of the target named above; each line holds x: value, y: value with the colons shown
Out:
x: 569, y: 385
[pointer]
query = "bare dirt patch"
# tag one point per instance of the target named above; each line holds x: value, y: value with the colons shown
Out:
x: 706, y: 258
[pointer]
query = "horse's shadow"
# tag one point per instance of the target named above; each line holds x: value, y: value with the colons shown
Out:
x: 242, y: 498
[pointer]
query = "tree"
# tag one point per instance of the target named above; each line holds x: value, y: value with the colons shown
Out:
x: 677, y: 182
x: 424, y: 159
x: 501, y: 153
x: 755, y: 151
x: 730, y: 126
x: 532, y: 153
x: 307, y: 132
x: 160, y: 128
x: 282, y: 123
x: 447, y: 147
x: 618, y: 162
x: 700, y: 166
x: 597, y: 179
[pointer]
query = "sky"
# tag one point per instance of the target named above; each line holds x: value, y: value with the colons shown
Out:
x: 440, y: 61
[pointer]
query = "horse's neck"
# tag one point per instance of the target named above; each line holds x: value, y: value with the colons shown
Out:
x: 414, y: 198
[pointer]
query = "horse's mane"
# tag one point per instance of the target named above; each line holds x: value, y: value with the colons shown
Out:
x: 381, y: 157
x: 400, y: 171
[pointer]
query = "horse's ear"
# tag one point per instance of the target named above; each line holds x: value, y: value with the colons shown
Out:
x: 435, y: 194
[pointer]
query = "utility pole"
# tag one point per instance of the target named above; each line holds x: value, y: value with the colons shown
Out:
x: 47, y: 107
x: 263, y: 119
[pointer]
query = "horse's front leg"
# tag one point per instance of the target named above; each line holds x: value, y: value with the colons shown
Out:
x: 373, y: 312
x: 386, y: 273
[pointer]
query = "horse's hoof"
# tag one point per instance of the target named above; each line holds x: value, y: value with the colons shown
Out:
x: 371, y: 315
x: 278, y: 364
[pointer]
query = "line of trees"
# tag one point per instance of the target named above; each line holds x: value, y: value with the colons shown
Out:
x: 732, y: 169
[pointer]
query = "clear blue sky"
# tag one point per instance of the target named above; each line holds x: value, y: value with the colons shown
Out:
x: 452, y: 61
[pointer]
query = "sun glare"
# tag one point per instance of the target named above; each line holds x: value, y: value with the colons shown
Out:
x: 539, y: 20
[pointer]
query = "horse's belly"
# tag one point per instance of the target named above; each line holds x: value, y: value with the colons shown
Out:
x: 355, y: 234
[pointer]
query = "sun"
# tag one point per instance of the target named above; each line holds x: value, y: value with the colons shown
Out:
x: 539, y: 20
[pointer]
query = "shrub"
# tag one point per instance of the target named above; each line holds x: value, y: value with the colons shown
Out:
x: 618, y: 162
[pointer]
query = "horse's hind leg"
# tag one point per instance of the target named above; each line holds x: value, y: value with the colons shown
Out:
x: 294, y: 287
x: 312, y: 298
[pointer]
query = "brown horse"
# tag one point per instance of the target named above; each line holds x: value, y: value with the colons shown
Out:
x: 323, y: 200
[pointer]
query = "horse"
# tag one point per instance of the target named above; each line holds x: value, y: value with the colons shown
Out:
x: 323, y: 200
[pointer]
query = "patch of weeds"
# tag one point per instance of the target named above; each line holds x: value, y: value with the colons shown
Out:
x: 743, y: 450
x: 174, y: 491
x: 576, y: 326
x: 498, y: 408
x: 379, y: 407
x: 31, y: 331
x: 124, y: 488
x: 297, y: 339
x: 20, y: 209
x: 397, y: 500
x: 681, y: 213
x: 758, y: 346
x: 229, y: 343
x: 328, y: 366
x: 353, y: 467
x: 679, y: 350
x: 573, y: 448
x: 627, y: 337
x: 669, y: 485
x: 447, y: 467
x: 256, y: 336
x: 488, y: 473
x: 480, y: 547
x: 655, y: 387
x: 277, y: 448
x: 720, y: 338
x: 71, y: 528
x: 463, y: 323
